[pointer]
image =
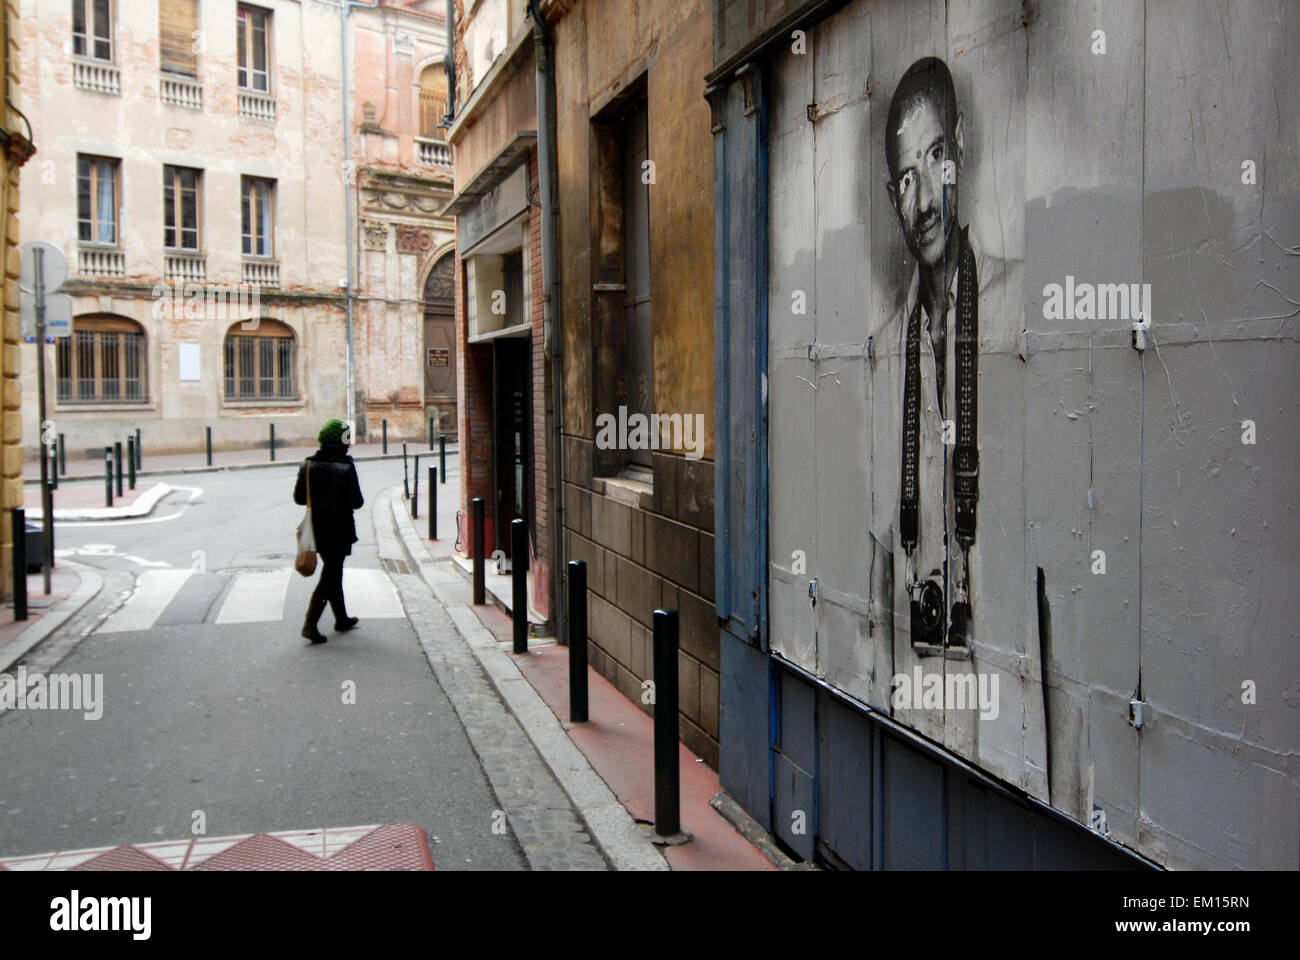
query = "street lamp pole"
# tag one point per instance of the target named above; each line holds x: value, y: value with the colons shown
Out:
x: 47, y: 500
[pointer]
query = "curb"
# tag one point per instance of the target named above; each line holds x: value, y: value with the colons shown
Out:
x: 754, y: 832
x: 612, y: 828
x: 55, y: 617
x: 143, y: 506
x: 223, y: 468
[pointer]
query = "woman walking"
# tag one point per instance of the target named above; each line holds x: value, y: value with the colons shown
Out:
x: 335, y: 493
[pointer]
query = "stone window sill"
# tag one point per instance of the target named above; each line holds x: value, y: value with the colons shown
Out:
x: 625, y: 490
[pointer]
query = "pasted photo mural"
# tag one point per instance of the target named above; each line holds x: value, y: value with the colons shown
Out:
x: 1031, y: 304
x: 944, y: 388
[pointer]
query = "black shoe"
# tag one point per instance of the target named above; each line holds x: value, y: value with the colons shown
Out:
x: 314, y: 609
x: 347, y: 623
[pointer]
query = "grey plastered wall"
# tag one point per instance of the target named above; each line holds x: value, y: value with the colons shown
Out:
x: 1116, y: 167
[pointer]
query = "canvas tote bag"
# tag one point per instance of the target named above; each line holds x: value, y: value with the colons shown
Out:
x: 306, y: 560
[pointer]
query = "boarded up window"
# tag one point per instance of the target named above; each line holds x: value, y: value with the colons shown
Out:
x: 178, y: 22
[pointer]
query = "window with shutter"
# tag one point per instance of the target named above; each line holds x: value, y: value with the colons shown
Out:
x: 178, y: 22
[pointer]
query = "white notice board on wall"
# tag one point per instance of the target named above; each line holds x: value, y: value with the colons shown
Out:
x: 189, y: 361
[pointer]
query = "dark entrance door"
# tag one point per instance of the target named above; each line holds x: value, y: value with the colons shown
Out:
x: 512, y: 436
x: 440, y: 346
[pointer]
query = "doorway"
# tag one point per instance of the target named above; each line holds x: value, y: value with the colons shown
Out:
x: 439, y: 359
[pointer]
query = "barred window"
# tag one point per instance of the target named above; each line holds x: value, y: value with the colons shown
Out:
x: 103, y: 361
x: 261, y: 364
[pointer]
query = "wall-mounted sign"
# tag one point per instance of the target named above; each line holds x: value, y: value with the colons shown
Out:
x: 439, y: 357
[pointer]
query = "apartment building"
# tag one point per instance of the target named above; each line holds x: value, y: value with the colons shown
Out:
x: 195, y: 173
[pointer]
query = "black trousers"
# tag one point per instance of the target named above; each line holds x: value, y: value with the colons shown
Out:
x: 330, y: 586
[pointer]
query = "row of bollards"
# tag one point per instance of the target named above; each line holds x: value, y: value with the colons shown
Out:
x: 664, y: 690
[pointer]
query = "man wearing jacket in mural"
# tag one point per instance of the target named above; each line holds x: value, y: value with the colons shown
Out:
x: 929, y: 520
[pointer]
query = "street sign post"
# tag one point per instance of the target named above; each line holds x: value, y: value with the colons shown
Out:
x: 43, y: 270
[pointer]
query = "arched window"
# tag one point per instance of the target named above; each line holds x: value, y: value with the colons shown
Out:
x: 261, y: 363
x: 440, y: 285
x: 102, y: 361
x: 433, y: 101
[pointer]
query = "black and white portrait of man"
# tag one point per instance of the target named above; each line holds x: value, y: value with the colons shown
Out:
x: 958, y: 305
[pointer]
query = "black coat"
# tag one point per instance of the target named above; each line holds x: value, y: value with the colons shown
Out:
x: 335, y: 493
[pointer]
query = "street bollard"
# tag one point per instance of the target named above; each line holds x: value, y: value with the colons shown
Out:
x: 117, y: 460
x: 63, y: 455
x: 18, y: 531
x: 433, y: 503
x: 130, y: 461
x: 273, y: 441
x: 667, y: 772
x: 385, y: 423
x: 476, y: 511
x: 54, y: 465
x: 208, y: 431
x: 139, y: 451
x: 108, y: 476
x: 431, y: 433
x: 406, y: 482
x: 519, y: 583
x: 442, y: 457
x: 415, y: 490
x: 577, y: 641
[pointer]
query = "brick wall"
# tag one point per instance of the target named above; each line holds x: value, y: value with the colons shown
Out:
x: 642, y: 553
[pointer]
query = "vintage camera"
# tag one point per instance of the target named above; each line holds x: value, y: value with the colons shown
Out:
x: 927, y: 605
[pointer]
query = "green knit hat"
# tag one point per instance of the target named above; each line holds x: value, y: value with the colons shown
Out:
x: 333, y: 432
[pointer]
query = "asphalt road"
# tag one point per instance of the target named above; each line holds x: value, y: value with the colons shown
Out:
x: 243, y: 721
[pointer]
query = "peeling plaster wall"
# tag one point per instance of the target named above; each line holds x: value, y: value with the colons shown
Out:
x: 399, y: 235
x: 1122, y: 167
x: 302, y: 151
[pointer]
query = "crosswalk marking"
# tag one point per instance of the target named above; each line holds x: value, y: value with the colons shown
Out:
x: 370, y: 595
x: 154, y: 590
x: 255, y: 597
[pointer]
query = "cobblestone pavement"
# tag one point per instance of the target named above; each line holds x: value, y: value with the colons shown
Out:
x: 45, y: 656
x: 537, y: 811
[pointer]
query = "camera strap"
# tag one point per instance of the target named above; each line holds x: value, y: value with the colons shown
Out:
x: 966, y: 454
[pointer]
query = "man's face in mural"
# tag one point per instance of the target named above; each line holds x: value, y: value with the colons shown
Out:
x: 924, y: 155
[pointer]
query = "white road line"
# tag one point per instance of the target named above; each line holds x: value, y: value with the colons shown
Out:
x: 153, y: 591
x: 256, y: 597
x: 370, y: 595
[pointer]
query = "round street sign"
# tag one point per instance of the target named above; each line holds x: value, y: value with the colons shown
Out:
x: 54, y: 266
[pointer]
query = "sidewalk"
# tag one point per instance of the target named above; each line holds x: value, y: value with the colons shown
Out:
x: 86, y: 502
x: 245, y: 459
x: 72, y: 585
x: 617, y: 742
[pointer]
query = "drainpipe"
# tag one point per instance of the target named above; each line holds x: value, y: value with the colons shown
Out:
x: 543, y: 52
x: 345, y: 8
x: 449, y: 61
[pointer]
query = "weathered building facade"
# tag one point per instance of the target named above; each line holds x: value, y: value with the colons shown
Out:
x: 636, y: 280
x: 503, y: 378
x: 18, y: 149
x: 1005, y: 315
x: 235, y: 260
x: 406, y: 258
